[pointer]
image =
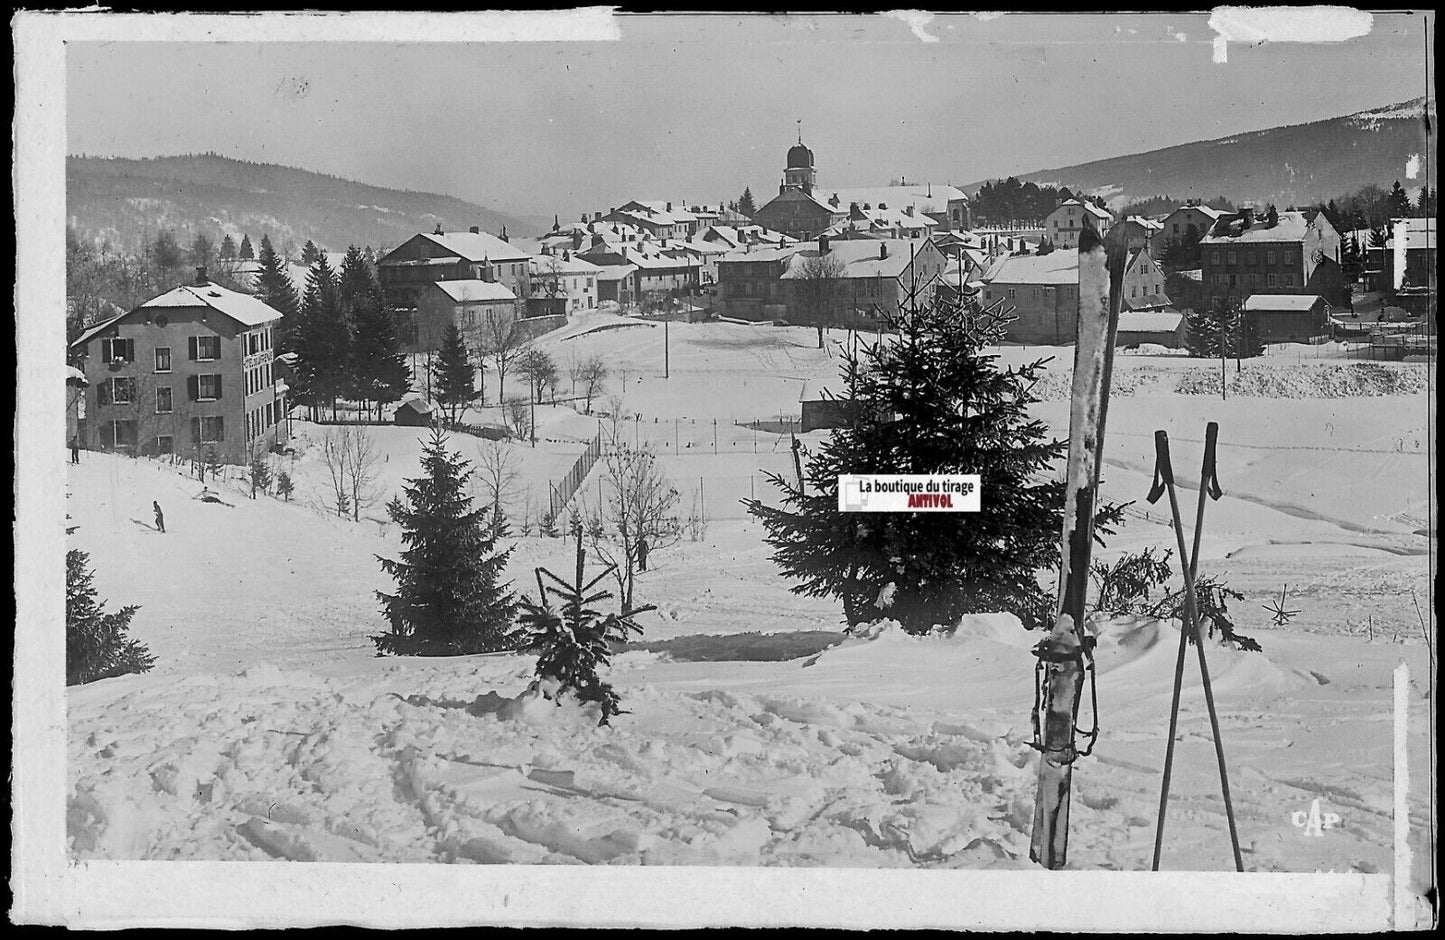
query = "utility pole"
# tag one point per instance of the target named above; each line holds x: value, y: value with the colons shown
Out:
x: 664, y: 348
x: 533, y: 398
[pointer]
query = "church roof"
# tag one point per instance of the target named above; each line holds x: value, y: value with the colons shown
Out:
x: 799, y: 156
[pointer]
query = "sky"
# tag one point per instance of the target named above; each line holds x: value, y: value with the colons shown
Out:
x: 695, y: 108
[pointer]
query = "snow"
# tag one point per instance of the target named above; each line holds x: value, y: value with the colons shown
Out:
x: 757, y: 732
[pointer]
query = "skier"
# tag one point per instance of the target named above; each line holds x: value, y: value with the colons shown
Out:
x: 160, y: 518
x: 642, y: 554
x: 75, y: 448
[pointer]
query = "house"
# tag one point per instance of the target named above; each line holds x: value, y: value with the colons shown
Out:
x: 75, y: 386
x: 614, y: 284
x: 1156, y: 327
x: 1409, y: 256
x: 406, y: 271
x: 474, y: 306
x: 946, y: 206
x: 1144, y: 282
x: 868, y: 221
x: 414, y: 413
x: 1063, y: 225
x: 796, y: 210
x: 1287, y: 318
x: 188, y: 372
x: 1290, y: 252
x: 749, y: 285
x: 1186, y: 226
x: 876, y: 277
x: 659, y: 218
x: 565, y: 276
x: 1043, y: 293
x: 1140, y: 232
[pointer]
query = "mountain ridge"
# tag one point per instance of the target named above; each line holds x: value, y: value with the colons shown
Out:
x: 1340, y: 155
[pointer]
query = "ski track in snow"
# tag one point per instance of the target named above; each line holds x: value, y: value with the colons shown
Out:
x: 877, y: 750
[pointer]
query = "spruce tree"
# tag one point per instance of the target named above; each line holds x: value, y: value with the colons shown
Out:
x: 381, y: 370
x: 1201, y: 334
x: 96, y: 644
x: 448, y: 598
x: 931, y: 401
x: 1398, y: 202
x: 310, y: 254
x: 746, y: 205
x: 228, y: 248
x: 247, y: 252
x: 274, y: 288
x: 323, y: 348
x: 455, y: 385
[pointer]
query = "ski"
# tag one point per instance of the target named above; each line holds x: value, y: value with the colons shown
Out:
x: 1066, y: 653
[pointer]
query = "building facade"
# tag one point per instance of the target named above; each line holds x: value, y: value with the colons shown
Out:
x: 1144, y: 282
x: 562, y: 275
x: 190, y: 372
x: 406, y: 271
x: 1063, y: 225
x: 1043, y: 293
x: 797, y: 211
x: 1291, y: 253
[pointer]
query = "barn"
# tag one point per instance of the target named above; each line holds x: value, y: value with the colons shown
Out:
x: 414, y: 413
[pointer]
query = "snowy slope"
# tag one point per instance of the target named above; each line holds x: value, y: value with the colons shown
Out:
x: 757, y: 733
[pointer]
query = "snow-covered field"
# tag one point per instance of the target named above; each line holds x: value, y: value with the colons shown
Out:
x: 758, y: 733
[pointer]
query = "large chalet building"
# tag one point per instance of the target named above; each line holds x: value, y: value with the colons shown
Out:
x: 190, y: 372
x: 1063, y: 225
x: 1292, y: 252
x: 1042, y: 290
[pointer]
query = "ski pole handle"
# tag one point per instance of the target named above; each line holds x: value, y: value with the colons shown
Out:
x: 1163, y: 471
x: 1209, y: 476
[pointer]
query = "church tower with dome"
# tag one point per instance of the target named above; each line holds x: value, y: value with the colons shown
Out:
x: 800, y: 174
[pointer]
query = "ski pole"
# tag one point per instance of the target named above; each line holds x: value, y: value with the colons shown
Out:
x: 1164, y: 478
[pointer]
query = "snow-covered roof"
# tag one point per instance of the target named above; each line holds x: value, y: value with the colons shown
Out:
x: 477, y: 246
x: 1292, y: 227
x: 1088, y: 207
x: 1296, y: 303
x: 1419, y: 233
x: 923, y: 197
x: 556, y: 264
x: 92, y: 331
x: 1149, y: 321
x: 1210, y: 211
x: 1146, y: 224
x: 72, y: 374
x: 860, y: 257
x: 420, y: 405
x: 614, y: 272
x: 764, y: 252
x: 472, y: 290
x: 1060, y: 266
x: 243, y: 308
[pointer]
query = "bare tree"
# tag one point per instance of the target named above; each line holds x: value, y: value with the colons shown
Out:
x: 817, y: 282
x: 498, y: 479
x: 547, y: 280
x: 517, y: 412
x: 537, y: 368
x: 637, y: 506
x: 361, y: 465
x: 591, y: 372
x: 351, y: 458
x: 502, y: 341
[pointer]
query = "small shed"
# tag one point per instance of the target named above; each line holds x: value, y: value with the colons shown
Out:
x: 414, y: 413
x: 1288, y: 318
x: 1159, y: 327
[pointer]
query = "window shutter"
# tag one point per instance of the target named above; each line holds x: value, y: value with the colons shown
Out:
x: 218, y: 387
x: 193, y: 388
x: 191, y: 344
x: 195, y: 430
x: 220, y: 429
x: 102, y: 393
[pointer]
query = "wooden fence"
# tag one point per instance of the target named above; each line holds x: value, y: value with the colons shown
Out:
x: 560, y: 493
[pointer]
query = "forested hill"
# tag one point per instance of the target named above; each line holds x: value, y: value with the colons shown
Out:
x: 1295, y: 165
x: 129, y: 201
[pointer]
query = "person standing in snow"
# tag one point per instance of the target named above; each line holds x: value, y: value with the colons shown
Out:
x: 642, y: 554
x: 160, y: 518
x: 75, y: 448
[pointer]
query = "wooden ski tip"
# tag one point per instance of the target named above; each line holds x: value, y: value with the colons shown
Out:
x: 1089, y: 237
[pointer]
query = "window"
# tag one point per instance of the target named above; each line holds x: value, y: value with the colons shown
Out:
x: 1012, y: 294
x: 1214, y: 257
x: 122, y: 390
x: 117, y: 434
x: 1289, y: 280
x: 1133, y: 291
x: 1271, y: 279
x: 163, y: 400
x: 117, y: 350
x: 208, y: 387
x: 1176, y: 228
x: 209, y: 430
x: 1253, y: 278
x: 163, y: 358
x: 165, y: 444
x: 1269, y: 257
x: 1231, y: 257
x: 205, y: 348
x: 1156, y: 288
x: 1234, y: 280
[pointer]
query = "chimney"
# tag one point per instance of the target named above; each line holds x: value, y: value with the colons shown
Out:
x: 882, y: 206
x: 556, y: 223
x: 201, y: 277
x: 669, y: 207
x: 504, y: 234
x: 833, y: 200
x: 439, y: 230
x: 596, y: 217
x: 475, y: 229
x: 908, y: 210
x: 822, y: 244
x: 882, y: 250
x: 566, y: 255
